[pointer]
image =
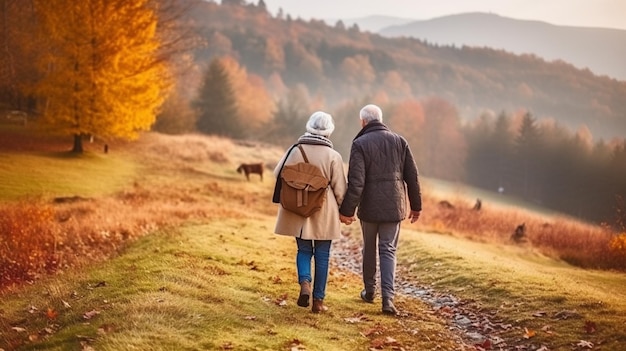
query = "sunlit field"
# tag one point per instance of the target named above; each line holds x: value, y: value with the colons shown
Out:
x: 162, y: 184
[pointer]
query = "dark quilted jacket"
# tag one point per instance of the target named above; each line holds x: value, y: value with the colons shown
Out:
x: 382, y: 172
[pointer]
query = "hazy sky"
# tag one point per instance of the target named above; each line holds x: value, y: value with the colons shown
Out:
x: 583, y: 13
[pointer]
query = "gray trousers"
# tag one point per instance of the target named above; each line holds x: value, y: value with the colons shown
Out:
x: 381, y: 239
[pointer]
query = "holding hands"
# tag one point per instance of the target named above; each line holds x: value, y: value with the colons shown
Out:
x: 346, y: 220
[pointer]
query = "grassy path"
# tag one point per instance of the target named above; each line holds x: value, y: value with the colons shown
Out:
x: 224, y: 285
x: 216, y: 278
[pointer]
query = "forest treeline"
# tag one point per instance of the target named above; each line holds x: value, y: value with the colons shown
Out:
x: 544, y: 131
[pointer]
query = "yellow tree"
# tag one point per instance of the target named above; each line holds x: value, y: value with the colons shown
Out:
x: 103, y: 75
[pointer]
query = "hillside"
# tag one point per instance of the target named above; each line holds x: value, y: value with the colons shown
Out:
x: 174, y: 255
x: 339, y: 63
x: 601, y: 50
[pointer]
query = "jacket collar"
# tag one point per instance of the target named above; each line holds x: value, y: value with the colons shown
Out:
x: 372, y: 126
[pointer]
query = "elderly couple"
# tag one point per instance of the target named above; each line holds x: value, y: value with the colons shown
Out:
x: 381, y: 173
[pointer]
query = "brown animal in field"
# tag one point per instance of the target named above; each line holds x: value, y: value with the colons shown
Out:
x: 520, y: 233
x: 478, y: 205
x: 249, y: 168
x: 446, y: 204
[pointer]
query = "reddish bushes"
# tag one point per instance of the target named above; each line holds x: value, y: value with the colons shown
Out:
x: 28, y: 242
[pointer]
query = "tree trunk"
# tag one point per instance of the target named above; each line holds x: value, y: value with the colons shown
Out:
x: 78, y: 144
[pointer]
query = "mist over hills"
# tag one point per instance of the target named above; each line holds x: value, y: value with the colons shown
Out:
x: 372, y: 23
x: 602, y: 50
x: 339, y: 62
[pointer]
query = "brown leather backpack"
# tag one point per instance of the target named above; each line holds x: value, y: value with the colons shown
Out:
x: 303, y: 188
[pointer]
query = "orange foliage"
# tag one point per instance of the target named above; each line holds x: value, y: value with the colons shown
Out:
x: 28, y: 243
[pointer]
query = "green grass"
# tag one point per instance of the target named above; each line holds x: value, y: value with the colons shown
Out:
x: 217, y: 281
x: 215, y: 286
x: 515, y: 283
x: 62, y: 174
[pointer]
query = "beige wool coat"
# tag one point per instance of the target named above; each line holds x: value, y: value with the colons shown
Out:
x: 323, y: 224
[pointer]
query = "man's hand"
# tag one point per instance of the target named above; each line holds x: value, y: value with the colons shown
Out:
x: 345, y: 219
x: 414, y: 216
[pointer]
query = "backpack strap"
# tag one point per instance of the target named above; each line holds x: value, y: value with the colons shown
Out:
x: 278, y: 185
x: 303, y: 153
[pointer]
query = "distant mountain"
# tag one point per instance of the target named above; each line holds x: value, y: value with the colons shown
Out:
x: 601, y: 50
x: 373, y: 23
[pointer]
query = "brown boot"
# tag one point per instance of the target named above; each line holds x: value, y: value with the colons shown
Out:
x: 318, y: 306
x: 305, y: 294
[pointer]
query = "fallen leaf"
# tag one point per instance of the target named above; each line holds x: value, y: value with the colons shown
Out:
x: 18, y: 329
x: 66, y: 304
x: 51, y: 314
x: 528, y: 333
x: 228, y: 346
x: 496, y: 340
x: 106, y: 329
x: 296, y: 345
x: 543, y: 348
x: 352, y: 320
x: 445, y: 310
x: 89, y: 315
x: 32, y: 309
x: 282, y: 300
x: 377, y: 344
x: 391, y: 341
x: 590, y: 327
x: 540, y: 314
x: 586, y: 344
x: 485, y: 345
x: 250, y: 318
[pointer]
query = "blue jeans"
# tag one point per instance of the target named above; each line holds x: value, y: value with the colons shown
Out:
x: 380, y: 239
x: 307, y: 249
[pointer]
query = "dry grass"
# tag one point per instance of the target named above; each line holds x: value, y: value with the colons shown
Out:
x: 183, y: 178
x: 562, y: 238
x: 188, y: 186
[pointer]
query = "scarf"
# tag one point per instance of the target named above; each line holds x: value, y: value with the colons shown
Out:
x: 314, y: 139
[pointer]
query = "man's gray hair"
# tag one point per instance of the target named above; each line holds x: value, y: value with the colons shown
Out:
x: 371, y: 113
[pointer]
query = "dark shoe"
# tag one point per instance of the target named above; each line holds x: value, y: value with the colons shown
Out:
x: 367, y: 296
x: 305, y: 294
x: 318, y: 306
x: 388, y: 307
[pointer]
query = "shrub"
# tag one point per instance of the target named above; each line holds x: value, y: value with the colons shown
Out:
x: 27, y: 242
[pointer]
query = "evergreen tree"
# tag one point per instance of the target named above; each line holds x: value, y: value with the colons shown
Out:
x: 527, y: 152
x: 216, y: 103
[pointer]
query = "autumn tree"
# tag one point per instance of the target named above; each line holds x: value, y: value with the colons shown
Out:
x: 289, y: 119
x: 176, y: 116
x: 407, y: 117
x: 231, y: 102
x: 17, y: 55
x: 253, y: 103
x: 102, y: 73
x: 443, y: 145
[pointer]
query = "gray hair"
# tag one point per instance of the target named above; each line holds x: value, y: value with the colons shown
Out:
x: 371, y: 113
x: 320, y: 123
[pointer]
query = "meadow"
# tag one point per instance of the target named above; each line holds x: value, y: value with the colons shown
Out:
x: 161, y: 245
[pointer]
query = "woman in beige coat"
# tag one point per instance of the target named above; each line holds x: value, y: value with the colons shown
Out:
x: 314, y: 234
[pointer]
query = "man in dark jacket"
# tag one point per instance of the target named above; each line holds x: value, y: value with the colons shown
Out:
x: 381, y: 173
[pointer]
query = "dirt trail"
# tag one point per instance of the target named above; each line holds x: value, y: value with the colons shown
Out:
x: 479, y: 330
